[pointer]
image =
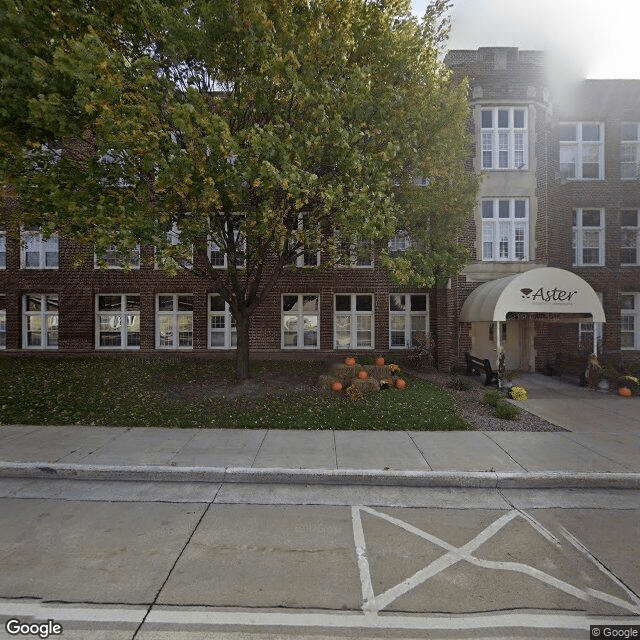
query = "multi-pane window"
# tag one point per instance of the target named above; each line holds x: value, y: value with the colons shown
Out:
x: 408, y: 319
x: 581, y: 150
x: 112, y: 260
x: 40, y: 321
x: 630, y: 320
x: 218, y: 257
x: 504, y: 138
x: 38, y: 253
x: 222, y: 324
x: 307, y: 255
x: 174, y: 321
x: 3, y: 249
x: 300, y: 321
x: 353, y: 321
x: 588, y: 237
x: 3, y: 321
x: 590, y: 334
x: 399, y: 243
x: 358, y: 254
x: 630, y: 151
x: 505, y: 229
x: 118, y: 321
x: 630, y: 236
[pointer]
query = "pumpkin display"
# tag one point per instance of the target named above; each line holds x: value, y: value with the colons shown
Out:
x: 350, y: 361
x: 625, y: 392
x: 336, y: 386
x: 400, y: 383
x: 380, y: 361
x: 363, y: 375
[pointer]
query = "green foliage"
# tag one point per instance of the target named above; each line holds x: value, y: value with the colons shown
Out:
x: 264, y: 126
x: 506, y: 411
x: 492, y: 398
x: 135, y: 392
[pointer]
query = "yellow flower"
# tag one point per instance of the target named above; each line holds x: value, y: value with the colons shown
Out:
x: 518, y: 393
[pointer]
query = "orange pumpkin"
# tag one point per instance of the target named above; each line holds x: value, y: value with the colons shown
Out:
x: 400, y: 383
x: 380, y: 362
x: 362, y: 374
x: 625, y: 392
x: 336, y: 386
x: 350, y: 361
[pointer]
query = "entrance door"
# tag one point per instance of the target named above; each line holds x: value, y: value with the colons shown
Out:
x: 518, y: 346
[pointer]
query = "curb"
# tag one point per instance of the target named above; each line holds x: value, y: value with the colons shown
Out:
x: 372, y: 477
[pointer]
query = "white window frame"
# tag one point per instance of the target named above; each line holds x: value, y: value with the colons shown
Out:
x: 174, y: 316
x: 592, y: 329
x: 579, y: 232
x: 353, y: 324
x: 112, y: 261
x: 495, y: 229
x: 123, y: 320
x: 400, y: 242
x: 43, y: 248
x: 634, y: 232
x: 301, y: 326
x: 630, y: 153
x: 408, y: 314
x: 304, y: 258
x: 3, y: 249
x: 634, y: 315
x: 229, y: 330
x: 49, y: 320
x: 495, y: 140
x: 3, y: 321
x: 213, y: 247
x: 580, y: 146
x: 359, y: 261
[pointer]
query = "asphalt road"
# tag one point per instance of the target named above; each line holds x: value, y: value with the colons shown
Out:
x: 155, y: 561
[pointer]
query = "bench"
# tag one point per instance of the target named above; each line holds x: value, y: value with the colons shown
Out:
x: 478, y: 365
x: 563, y: 364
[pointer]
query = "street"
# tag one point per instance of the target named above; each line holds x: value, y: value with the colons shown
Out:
x: 149, y: 561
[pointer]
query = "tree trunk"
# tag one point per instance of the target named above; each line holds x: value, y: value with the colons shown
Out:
x: 242, y: 348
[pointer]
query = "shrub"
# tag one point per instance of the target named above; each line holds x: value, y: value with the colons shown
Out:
x: 422, y: 353
x: 518, y: 393
x: 506, y: 411
x: 459, y: 383
x: 492, y: 398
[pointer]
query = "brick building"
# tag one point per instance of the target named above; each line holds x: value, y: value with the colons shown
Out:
x: 558, y: 215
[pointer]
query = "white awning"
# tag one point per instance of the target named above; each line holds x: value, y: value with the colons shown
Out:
x: 544, y: 290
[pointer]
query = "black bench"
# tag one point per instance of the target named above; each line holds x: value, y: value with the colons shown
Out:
x: 478, y: 366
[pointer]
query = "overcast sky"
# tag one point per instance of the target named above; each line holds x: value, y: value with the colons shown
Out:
x: 599, y: 39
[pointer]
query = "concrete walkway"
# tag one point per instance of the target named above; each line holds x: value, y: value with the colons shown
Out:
x: 600, y: 449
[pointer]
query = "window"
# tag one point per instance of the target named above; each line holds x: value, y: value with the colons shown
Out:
x: 630, y: 236
x: 222, y: 325
x: 309, y: 254
x: 38, y: 253
x: 408, y: 319
x: 359, y: 254
x: 218, y: 258
x: 588, y: 237
x: 581, y: 150
x: 504, y: 138
x: 300, y: 321
x: 40, y: 321
x: 630, y: 321
x: 118, y: 321
x: 630, y: 151
x: 174, y: 321
x: 111, y: 260
x: 3, y: 249
x: 3, y: 321
x: 505, y: 229
x: 399, y: 243
x: 590, y: 334
x: 353, y: 321
x: 180, y: 255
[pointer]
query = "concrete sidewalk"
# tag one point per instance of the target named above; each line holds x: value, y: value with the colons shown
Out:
x: 600, y: 449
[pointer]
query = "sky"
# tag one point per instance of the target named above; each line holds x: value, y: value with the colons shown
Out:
x: 592, y: 38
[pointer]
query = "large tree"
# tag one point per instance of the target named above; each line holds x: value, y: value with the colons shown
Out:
x: 266, y: 127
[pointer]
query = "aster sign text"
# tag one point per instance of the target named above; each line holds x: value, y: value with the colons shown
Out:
x: 548, y: 295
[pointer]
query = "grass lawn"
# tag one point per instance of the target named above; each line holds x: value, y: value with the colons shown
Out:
x: 136, y: 392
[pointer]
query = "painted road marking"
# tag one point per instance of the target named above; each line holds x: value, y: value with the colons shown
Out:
x: 464, y: 553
